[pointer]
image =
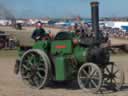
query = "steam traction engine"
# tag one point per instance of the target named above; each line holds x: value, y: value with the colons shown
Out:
x: 88, y: 62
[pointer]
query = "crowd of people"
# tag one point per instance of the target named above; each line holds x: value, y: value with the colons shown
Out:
x: 115, y: 32
x: 112, y: 32
x: 80, y: 29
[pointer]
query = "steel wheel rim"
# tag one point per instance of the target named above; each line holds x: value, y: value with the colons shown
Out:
x: 113, y: 76
x: 33, y: 74
x: 92, y: 80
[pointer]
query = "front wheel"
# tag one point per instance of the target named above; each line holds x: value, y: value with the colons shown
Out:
x: 89, y: 77
x: 113, y: 76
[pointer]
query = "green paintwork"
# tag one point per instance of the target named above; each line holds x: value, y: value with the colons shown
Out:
x: 80, y: 53
x: 67, y: 56
x: 20, y: 52
x: 43, y: 45
x: 63, y: 69
x: 60, y: 68
x: 61, y: 51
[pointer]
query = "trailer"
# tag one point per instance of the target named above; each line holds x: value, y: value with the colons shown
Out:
x: 6, y: 41
x: 120, y: 44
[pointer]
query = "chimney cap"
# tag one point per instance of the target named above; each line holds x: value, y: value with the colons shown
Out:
x: 94, y: 3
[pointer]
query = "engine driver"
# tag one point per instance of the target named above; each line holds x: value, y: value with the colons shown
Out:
x: 39, y: 33
x: 76, y: 31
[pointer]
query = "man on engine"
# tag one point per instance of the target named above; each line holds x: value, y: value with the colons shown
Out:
x: 39, y: 33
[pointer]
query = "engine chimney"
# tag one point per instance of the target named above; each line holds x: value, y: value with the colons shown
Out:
x: 95, y: 19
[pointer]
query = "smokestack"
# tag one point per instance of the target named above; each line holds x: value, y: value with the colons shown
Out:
x: 6, y: 13
x: 95, y: 18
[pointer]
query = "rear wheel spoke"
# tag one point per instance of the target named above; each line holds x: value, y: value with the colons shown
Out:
x: 41, y: 69
x: 39, y: 75
x: 36, y: 81
x: 25, y: 67
x: 28, y: 61
x: 31, y: 58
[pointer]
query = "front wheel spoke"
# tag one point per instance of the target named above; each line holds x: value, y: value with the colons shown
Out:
x: 115, y: 81
x: 95, y: 78
x: 85, y: 73
x: 106, y: 76
x: 116, y: 72
x: 92, y: 73
x: 117, y: 77
x: 107, y: 80
x: 108, y: 70
x: 112, y: 68
x: 86, y: 82
x: 83, y: 77
x: 111, y: 80
x: 89, y: 69
x: 90, y: 85
x: 92, y: 81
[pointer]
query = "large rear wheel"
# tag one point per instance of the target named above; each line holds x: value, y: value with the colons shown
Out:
x: 34, y: 68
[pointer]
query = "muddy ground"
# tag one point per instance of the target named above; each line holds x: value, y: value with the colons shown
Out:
x: 12, y: 85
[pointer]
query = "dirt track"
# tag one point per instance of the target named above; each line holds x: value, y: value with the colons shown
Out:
x: 12, y: 85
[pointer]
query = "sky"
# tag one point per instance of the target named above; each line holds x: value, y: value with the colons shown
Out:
x: 64, y: 8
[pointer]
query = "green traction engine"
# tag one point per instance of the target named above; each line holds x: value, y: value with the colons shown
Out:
x: 61, y: 60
